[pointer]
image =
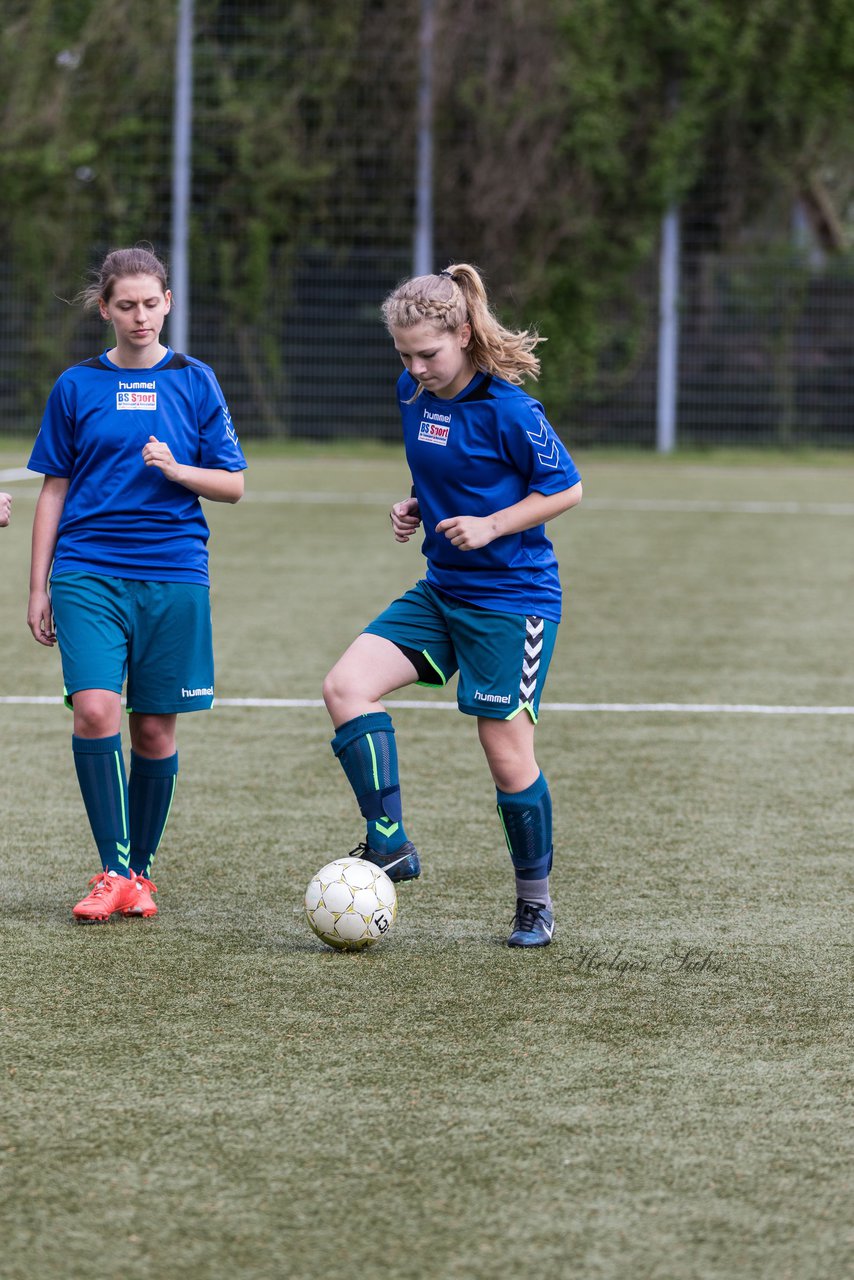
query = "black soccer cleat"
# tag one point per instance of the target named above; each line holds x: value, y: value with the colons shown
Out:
x: 533, y: 925
x: 404, y: 864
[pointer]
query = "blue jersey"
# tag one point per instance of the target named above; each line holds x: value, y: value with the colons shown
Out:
x: 121, y: 518
x: 482, y: 451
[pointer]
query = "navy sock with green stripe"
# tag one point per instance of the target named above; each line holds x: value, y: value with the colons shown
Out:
x: 526, y: 817
x: 366, y: 750
x: 100, y: 769
x: 151, y: 789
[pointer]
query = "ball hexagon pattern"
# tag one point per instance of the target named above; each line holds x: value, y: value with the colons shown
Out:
x: 350, y: 904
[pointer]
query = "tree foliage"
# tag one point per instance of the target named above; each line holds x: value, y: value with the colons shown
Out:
x: 570, y: 126
x: 86, y: 144
x: 564, y: 129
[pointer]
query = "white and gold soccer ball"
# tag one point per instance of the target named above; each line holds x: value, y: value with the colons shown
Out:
x: 350, y: 904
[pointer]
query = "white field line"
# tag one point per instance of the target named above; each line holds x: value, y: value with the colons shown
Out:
x: 19, y: 473
x: 683, y: 708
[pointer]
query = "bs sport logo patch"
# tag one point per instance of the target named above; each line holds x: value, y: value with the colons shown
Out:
x: 137, y: 395
x: 434, y: 428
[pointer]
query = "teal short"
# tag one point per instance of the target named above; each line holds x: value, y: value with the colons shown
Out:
x: 502, y: 658
x: 155, y: 635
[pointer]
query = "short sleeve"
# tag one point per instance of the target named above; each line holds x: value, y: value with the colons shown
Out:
x: 537, y: 451
x: 220, y: 446
x: 53, y: 453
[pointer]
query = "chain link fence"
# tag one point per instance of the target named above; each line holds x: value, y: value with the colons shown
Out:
x: 292, y: 328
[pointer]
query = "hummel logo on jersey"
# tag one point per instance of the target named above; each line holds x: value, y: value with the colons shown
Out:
x: 434, y: 428
x: 136, y: 395
x: 540, y: 440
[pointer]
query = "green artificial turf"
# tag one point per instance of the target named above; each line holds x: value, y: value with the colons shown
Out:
x: 663, y: 1094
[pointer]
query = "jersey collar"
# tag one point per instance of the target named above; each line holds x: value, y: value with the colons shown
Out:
x: 123, y: 369
x: 473, y: 390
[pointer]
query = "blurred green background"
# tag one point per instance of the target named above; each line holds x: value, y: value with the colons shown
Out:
x: 563, y: 133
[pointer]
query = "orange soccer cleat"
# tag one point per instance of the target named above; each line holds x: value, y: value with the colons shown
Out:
x: 142, y: 903
x: 111, y: 893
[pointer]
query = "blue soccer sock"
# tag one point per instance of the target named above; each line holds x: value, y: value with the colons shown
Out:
x: 526, y: 817
x: 101, y: 773
x: 151, y: 790
x: 368, y: 755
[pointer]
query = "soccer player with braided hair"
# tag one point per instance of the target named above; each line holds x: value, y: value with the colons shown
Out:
x: 488, y: 472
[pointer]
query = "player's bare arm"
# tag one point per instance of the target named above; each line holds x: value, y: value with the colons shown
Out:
x: 45, y: 526
x: 469, y: 533
x: 208, y: 482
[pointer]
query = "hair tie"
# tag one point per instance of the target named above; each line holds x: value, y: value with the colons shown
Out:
x: 448, y: 275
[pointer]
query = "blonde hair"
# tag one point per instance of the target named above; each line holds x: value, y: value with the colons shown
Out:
x: 118, y: 264
x: 450, y: 299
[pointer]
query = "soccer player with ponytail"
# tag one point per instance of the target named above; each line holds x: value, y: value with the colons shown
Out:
x: 488, y: 472
x: 129, y: 442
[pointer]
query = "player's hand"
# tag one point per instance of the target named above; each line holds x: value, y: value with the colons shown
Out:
x: 468, y: 532
x: 405, y: 518
x: 5, y: 509
x: 40, y: 618
x: 157, y: 454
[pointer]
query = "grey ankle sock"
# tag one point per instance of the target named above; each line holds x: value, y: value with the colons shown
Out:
x: 534, y: 891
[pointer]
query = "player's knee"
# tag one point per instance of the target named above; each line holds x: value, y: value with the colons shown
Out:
x: 509, y: 749
x: 512, y: 768
x: 328, y: 690
x: 94, y: 716
x: 511, y: 776
x: 336, y: 689
x: 151, y: 737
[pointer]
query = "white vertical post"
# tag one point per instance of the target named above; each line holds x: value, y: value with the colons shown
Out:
x: 422, y: 260
x: 181, y: 177
x: 668, y: 333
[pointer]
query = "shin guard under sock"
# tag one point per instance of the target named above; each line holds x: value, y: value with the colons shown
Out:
x: 151, y: 789
x: 526, y: 817
x: 103, y: 783
x: 366, y: 750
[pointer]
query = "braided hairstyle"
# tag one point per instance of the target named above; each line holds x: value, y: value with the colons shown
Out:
x: 450, y: 299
